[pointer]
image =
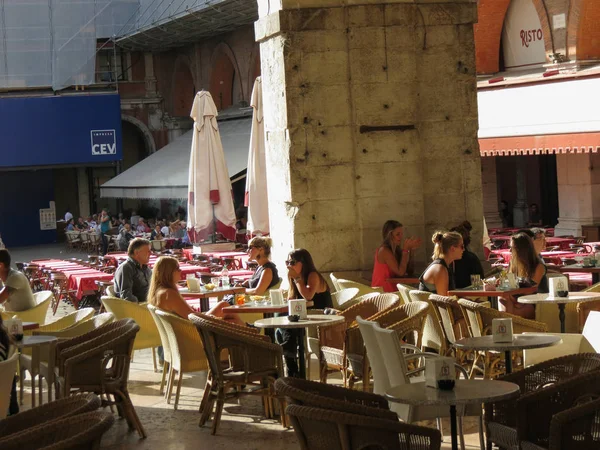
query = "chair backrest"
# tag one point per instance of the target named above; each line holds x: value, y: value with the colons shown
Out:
x: 433, y: 335
x: 591, y: 330
x: 404, y: 291
x: 82, y: 431
x: 8, y: 369
x: 391, y: 347
x: 520, y: 324
x: 158, y: 245
x: 123, y: 309
x: 343, y: 299
x: 334, y: 281
x: 58, y: 409
x: 110, y: 290
x: 443, y: 308
x: 69, y: 320
x: 164, y: 337
x: 80, y: 328
x: 381, y: 382
x: 184, y: 340
x: 471, y: 312
x: 407, y: 321
x: 37, y: 313
x: 362, y: 288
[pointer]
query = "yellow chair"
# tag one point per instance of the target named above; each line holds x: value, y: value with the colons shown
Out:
x: 432, y: 332
x: 362, y: 288
x: 80, y: 328
x: 67, y: 321
x: 404, y: 291
x: 164, y: 338
x: 187, y: 351
x: 345, y: 298
x: 8, y: 368
x: 334, y: 281
x: 148, y: 336
x: 37, y: 313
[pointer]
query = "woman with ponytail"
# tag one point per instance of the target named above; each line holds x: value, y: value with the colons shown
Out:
x: 438, y: 278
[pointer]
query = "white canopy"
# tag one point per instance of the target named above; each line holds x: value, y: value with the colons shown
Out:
x: 164, y: 174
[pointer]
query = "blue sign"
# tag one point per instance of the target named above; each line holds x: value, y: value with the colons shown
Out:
x: 71, y: 129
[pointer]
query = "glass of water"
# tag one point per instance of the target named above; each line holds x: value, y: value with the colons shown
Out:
x: 476, y: 281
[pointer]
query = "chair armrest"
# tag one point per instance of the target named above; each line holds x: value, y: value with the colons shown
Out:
x: 567, y: 428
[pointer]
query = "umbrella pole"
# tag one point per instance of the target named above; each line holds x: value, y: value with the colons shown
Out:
x: 214, y: 234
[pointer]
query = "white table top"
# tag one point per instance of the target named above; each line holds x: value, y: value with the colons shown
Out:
x: 464, y: 392
x: 317, y: 320
x: 520, y: 342
x: 33, y: 341
x: 574, y: 297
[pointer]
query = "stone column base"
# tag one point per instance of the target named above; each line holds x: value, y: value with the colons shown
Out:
x: 572, y: 226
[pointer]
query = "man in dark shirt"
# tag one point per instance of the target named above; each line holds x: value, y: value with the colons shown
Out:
x: 132, y: 278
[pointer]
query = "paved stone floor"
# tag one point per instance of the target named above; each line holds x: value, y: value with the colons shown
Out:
x: 242, y: 425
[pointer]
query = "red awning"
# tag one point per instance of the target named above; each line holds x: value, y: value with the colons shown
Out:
x: 540, y: 145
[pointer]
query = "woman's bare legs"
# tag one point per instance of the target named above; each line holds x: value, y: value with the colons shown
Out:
x: 217, y: 311
x: 510, y: 305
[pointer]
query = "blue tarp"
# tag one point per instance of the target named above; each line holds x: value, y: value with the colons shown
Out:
x: 46, y: 131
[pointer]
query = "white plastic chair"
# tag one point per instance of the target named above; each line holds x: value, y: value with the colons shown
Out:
x: 8, y: 369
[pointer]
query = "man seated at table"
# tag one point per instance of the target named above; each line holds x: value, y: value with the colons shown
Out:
x: 15, y: 292
x: 132, y: 278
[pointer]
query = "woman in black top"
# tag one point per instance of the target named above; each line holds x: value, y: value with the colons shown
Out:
x: 305, y: 282
x: 438, y: 278
x: 266, y: 276
x: 469, y: 264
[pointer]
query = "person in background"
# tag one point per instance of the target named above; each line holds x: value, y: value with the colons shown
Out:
x: 393, y: 257
x: 469, y: 264
x: 156, y: 234
x: 68, y: 215
x: 266, y: 275
x: 141, y: 226
x: 71, y: 225
x: 305, y: 282
x: 104, y: 228
x: 132, y: 278
x: 81, y: 225
x: 505, y: 215
x: 92, y: 222
x: 524, y: 263
x: 539, y: 241
x: 6, y: 342
x: 134, y: 219
x: 535, y: 217
x: 15, y: 291
x: 165, y: 229
x: 438, y: 277
x: 125, y: 236
x: 1, y: 243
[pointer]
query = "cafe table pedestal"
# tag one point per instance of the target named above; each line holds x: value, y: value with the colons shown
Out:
x: 317, y: 320
x: 573, y: 297
x: 465, y: 392
x: 519, y: 342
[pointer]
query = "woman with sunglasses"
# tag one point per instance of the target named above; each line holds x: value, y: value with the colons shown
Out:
x: 266, y: 276
x: 163, y: 292
x: 524, y: 263
x: 305, y: 282
x: 438, y: 278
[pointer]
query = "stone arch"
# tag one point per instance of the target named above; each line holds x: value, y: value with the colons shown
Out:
x: 488, y: 32
x: 583, y: 31
x: 183, y: 87
x: 225, y: 76
x: 146, y: 133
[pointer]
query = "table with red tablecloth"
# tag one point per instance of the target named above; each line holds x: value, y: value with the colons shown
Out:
x: 84, y: 282
x: 563, y: 243
x: 241, y: 257
x: 552, y: 257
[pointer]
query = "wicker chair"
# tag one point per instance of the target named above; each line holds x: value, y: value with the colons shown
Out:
x: 334, y: 281
x: 37, y: 313
x: 344, y: 299
x: 584, y: 308
x: 432, y: 332
x: 67, y: 321
x: 536, y: 411
x: 254, y: 363
x: 79, y: 328
x: 164, y: 338
x: 99, y: 362
x: 480, y: 324
x: 404, y: 291
x: 148, y: 337
x: 185, y: 348
x: 77, y: 432
x: 7, y: 375
x: 324, y: 429
x: 362, y: 288
x: 66, y: 407
x: 338, y: 341
x: 501, y: 417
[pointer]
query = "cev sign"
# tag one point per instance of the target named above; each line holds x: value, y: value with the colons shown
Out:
x: 103, y: 142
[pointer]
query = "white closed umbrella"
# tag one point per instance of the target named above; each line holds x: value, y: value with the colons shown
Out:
x: 210, y: 201
x: 256, y: 176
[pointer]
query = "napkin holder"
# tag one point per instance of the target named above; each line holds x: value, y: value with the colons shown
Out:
x: 439, y: 370
x: 297, y: 307
x: 276, y: 297
x: 502, y: 330
x: 14, y: 326
x: 556, y: 284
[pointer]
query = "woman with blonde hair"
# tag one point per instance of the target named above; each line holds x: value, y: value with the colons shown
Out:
x: 163, y: 292
x: 393, y: 257
x: 266, y: 276
x: 438, y: 278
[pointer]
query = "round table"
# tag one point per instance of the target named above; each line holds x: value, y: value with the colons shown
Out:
x: 317, y: 320
x: 574, y: 297
x: 519, y: 342
x: 35, y: 342
x: 465, y: 392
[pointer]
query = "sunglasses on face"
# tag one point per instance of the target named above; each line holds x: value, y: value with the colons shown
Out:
x: 177, y: 269
x: 291, y: 262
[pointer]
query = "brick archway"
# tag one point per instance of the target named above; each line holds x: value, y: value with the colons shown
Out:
x: 184, y: 87
x: 224, y: 73
x: 583, y: 31
x: 488, y: 32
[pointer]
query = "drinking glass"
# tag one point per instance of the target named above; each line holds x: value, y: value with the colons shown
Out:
x: 215, y: 281
x: 476, y: 281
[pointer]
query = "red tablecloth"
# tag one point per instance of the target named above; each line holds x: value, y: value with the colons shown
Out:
x: 553, y: 257
x: 241, y: 257
x: 240, y: 274
x: 84, y: 282
x: 563, y: 243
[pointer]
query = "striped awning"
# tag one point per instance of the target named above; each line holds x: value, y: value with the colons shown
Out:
x: 541, y: 145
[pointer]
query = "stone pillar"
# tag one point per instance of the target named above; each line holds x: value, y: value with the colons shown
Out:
x: 149, y: 79
x: 489, y: 186
x: 370, y: 115
x: 83, y: 192
x: 578, y: 187
x: 521, y: 210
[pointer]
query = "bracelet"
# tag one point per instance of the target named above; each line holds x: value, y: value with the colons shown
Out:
x: 405, y: 251
x: 297, y: 280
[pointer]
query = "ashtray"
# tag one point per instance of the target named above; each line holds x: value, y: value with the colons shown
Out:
x: 446, y: 385
x: 562, y: 293
x: 294, y: 318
